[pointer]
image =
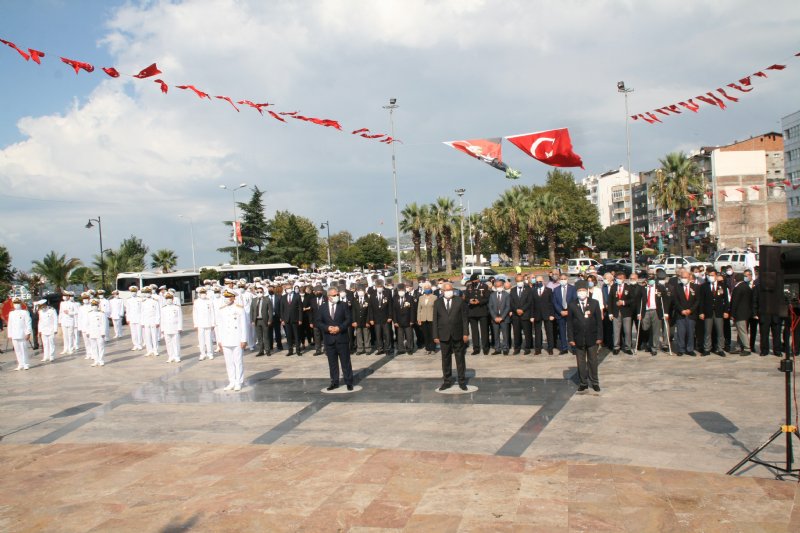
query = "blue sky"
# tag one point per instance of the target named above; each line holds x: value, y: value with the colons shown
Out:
x: 72, y: 146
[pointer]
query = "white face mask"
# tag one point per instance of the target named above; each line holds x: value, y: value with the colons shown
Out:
x: 729, y: 272
x: 101, y: 297
x: 85, y: 301
x: 379, y: 289
x: 334, y: 299
x: 582, y: 295
x: 204, y: 296
x: 17, y: 306
x: 685, y: 281
x: 360, y: 294
x: 448, y: 294
x: 401, y: 293
x: 562, y: 282
x: 66, y: 299
x: 520, y: 284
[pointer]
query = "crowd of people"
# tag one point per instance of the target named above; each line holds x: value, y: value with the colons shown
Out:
x: 702, y: 311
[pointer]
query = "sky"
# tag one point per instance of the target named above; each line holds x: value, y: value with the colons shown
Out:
x: 74, y: 147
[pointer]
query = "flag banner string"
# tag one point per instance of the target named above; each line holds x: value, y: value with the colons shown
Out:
x: 29, y: 54
x: 731, y: 92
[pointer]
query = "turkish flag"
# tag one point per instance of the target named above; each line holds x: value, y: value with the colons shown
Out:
x: 237, y: 232
x: 152, y: 70
x: 552, y: 147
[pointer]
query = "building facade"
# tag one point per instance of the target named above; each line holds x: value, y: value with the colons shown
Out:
x: 609, y: 192
x: 748, y: 190
x: 791, y: 162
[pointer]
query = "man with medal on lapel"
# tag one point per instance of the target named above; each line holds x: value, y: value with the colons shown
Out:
x: 585, y: 335
x: 333, y: 319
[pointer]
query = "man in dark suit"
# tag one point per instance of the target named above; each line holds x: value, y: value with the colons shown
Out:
x: 380, y: 317
x: 261, y: 317
x: 360, y: 312
x: 450, y: 325
x: 585, y: 334
x: 521, y: 302
x: 499, y: 307
x: 333, y: 320
x: 620, y: 308
x: 274, y: 331
x: 317, y: 300
x: 741, y: 310
x: 543, y: 316
x: 608, y: 325
x: 292, y: 318
x: 405, y: 316
x: 686, y: 303
x: 714, y: 310
x: 563, y: 295
x: 655, y: 310
x: 477, y: 297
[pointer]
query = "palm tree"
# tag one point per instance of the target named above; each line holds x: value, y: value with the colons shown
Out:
x: 547, y: 213
x: 444, y: 215
x: 436, y: 229
x: 56, y: 269
x: 35, y: 283
x: 509, y: 211
x: 164, y: 259
x: 476, y: 224
x: 678, y: 186
x: 428, y: 227
x: 412, y: 222
x: 83, y: 276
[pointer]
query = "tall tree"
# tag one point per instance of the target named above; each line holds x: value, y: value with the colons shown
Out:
x: 56, y: 269
x: 428, y: 224
x: 788, y: 230
x: 476, y: 222
x: 413, y: 223
x: 164, y: 259
x: 255, y: 229
x: 679, y: 186
x: 617, y: 239
x: 374, y: 250
x: 583, y: 221
x: 83, y: 276
x: 33, y: 281
x: 444, y: 213
x: 293, y: 239
x: 7, y: 272
x: 548, y: 217
x: 509, y: 211
x: 132, y: 253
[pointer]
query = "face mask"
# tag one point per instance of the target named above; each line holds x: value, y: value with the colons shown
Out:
x: 297, y: 290
x: 334, y: 299
x: 729, y: 272
x: 101, y: 297
x: 272, y: 291
x: 620, y: 281
x: 438, y: 286
x: 389, y: 287
x: 607, y: 281
x: 317, y: 294
x: 711, y: 278
x: 633, y: 281
x: 17, y: 306
x: 94, y: 308
x: 360, y: 294
x: 85, y: 301
x: 552, y: 278
x: 539, y: 284
x: 260, y: 294
x: 662, y: 282
x: 204, y: 296
x: 747, y: 279
x: 448, y: 294
x: 651, y: 282
x: 401, y: 293
x: 427, y: 291
x: 685, y: 281
x: 380, y: 290
x: 520, y: 284
x: 66, y: 299
x: 498, y: 289
x: 591, y: 284
x: 582, y: 295
x: 562, y: 282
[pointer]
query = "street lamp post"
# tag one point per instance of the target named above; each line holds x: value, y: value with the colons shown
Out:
x: 391, y: 107
x: 235, y: 216
x: 460, y: 193
x: 625, y: 90
x: 327, y: 225
x: 191, y: 229
x: 89, y: 225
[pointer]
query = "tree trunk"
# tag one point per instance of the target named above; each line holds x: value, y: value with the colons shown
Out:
x: 531, y: 244
x: 415, y: 235
x: 439, y: 249
x: 477, y: 246
x: 514, y: 231
x: 429, y: 250
x: 448, y: 250
x: 681, y: 230
x: 551, y: 247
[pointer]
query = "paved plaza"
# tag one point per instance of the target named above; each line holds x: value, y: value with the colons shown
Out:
x: 145, y: 445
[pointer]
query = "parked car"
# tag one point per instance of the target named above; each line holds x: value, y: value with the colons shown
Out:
x: 672, y: 263
x: 739, y: 261
x: 614, y: 268
x: 580, y: 264
x: 483, y: 273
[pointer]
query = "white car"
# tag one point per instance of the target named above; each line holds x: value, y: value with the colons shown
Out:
x: 739, y: 261
x: 672, y: 263
x: 484, y: 273
x: 580, y: 264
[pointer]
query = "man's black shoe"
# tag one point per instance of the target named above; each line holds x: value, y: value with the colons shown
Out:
x: 744, y: 353
x: 475, y: 352
x: 269, y: 353
x: 629, y: 352
x: 691, y: 353
x: 653, y: 353
x: 289, y: 353
x: 333, y: 386
x: 704, y: 353
x: 615, y: 352
x: 563, y: 352
x: 462, y: 386
x: 380, y: 352
x: 537, y: 352
x: 549, y: 352
x: 259, y: 354
x: 763, y: 354
x: 445, y: 386
x: 679, y: 354
x: 486, y: 351
x: 582, y: 388
x: 496, y: 352
x: 505, y: 352
x: 527, y: 352
x: 349, y: 387
x: 516, y: 351
x: 596, y: 388
x: 721, y: 353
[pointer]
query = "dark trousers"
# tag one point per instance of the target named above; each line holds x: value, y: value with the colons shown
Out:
x: 479, y: 330
x: 292, y: 336
x: 405, y: 339
x: 753, y: 330
x: 562, y: 334
x: 726, y: 332
x: 317, y: 340
x: 608, y: 331
x: 427, y: 333
x: 587, y: 365
x: 547, y: 325
x: 419, y: 335
x: 684, y: 337
x: 500, y: 331
x: 521, y: 326
x: 450, y: 348
x: 383, y: 336
x: 263, y: 335
x: 275, y: 333
x: 339, y: 352
x: 771, y: 325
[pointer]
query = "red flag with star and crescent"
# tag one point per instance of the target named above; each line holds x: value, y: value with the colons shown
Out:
x: 490, y: 151
x: 552, y: 147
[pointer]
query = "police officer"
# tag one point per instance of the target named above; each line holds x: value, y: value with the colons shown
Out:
x: 477, y: 297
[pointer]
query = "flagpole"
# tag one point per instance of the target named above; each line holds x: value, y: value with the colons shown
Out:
x: 622, y: 89
x: 391, y: 107
x: 235, y: 215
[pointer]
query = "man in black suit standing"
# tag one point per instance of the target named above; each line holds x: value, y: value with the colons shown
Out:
x: 333, y: 320
x: 543, y: 315
x: 585, y: 335
x: 360, y: 312
x: 521, y: 303
x: 499, y: 309
x: 261, y: 316
x: 317, y: 301
x: 380, y: 317
x: 274, y: 331
x: 450, y: 326
x: 714, y: 310
x: 292, y: 318
x: 741, y: 311
x: 477, y: 296
x: 405, y: 316
x: 686, y: 303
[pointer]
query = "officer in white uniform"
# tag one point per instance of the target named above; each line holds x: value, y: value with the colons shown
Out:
x: 171, y: 327
x: 68, y: 321
x: 19, y: 331
x: 96, y: 329
x: 151, y: 320
x: 83, y: 324
x: 219, y: 303
x: 105, y: 306
x: 203, y: 318
x: 232, y: 338
x: 116, y: 312
x: 133, y: 310
x: 48, y: 327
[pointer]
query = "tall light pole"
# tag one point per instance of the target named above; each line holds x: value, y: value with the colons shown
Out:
x: 391, y: 107
x: 622, y: 89
x: 89, y: 225
x: 471, y: 240
x: 327, y: 225
x: 235, y: 216
x: 191, y: 228
x: 460, y: 193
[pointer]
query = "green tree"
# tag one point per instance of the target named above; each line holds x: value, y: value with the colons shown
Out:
x: 374, y: 249
x: 255, y: 229
x: 132, y: 253
x: 583, y: 220
x: 617, y: 239
x: 413, y: 222
x: 509, y: 211
x: 350, y: 257
x: 429, y: 226
x: 443, y: 213
x: 165, y: 259
x: 476, y: 222
x: 548, y: 217
x: 678, y: 187
x: 56, y: 269
x: 788, y: 230
x: 209, y: 273
x: 293, y: 239
x: 7, y: 273
x: 83, y: 276
x: 33, y: 281
x: 339, y: 242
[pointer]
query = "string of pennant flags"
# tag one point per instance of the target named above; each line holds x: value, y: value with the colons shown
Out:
x: 36, y: 56
x: 713, y: 98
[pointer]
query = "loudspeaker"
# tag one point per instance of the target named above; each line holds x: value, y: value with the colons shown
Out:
x: 779, y: 278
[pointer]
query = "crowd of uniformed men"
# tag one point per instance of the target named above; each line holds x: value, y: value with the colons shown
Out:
x: 692, y: 312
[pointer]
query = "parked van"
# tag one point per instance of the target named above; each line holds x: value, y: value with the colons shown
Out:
x: 739, y: 261
x: 580, y: 264
x: 483, y: 273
